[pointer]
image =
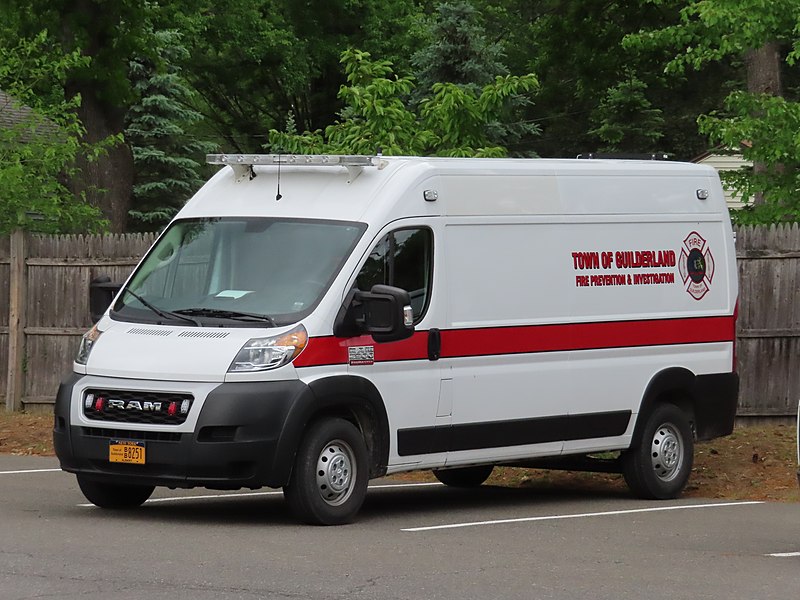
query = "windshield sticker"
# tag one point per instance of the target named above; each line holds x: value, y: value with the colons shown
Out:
x: 236, y: 294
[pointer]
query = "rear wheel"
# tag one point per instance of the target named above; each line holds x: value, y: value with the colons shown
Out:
x: 660, y: 466
x: 465, y: 476
x: 112, y: 495
x: 329, y: 480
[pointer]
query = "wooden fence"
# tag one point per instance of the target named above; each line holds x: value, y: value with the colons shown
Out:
x: 44, y: 306
x: 44, y: 283
x: 768, y: 336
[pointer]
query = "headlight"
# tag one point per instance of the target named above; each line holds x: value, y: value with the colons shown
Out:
x: 262, y: 354
x: 88, y: 341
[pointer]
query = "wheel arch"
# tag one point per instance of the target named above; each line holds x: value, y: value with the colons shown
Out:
x: 347, y: 396
x: 709, y: 401
x: 673, y: 386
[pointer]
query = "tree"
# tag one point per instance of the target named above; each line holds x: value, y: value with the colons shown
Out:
x: 457, y: 50
x: 458, y: 53
x: 451, y: 122
x: 754, y: 120
x: 38, y: 148
x: 765, y: 128
x: 574, y: 47
x: 109, y: 32
x: 626, y: 120
x: 252, y: 63
x: 167, y: 159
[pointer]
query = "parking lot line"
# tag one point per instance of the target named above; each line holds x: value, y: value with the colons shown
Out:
x: 784, y: 555
x: 579, y: 515
x: 21, y: 472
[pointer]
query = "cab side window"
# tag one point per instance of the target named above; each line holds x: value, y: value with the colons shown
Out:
x: 403, y: 259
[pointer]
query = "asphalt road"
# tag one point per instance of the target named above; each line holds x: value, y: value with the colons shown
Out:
x: 411, y: 542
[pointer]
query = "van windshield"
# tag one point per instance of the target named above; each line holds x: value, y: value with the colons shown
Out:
x: 238, y: 271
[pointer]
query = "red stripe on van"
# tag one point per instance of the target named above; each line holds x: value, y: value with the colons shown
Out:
x: 334, y: 351
x: 458, y: 343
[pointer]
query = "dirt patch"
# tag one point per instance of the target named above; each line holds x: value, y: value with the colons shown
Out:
x: 26, y: 434
x: 753, y: 463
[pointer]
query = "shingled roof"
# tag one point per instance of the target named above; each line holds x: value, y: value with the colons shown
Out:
x: 13, y: 114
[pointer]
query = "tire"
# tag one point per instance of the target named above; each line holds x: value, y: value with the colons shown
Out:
x: 660, y: 466
x: 465, y: 477
x: 113, y: 495
x: 330, y: 475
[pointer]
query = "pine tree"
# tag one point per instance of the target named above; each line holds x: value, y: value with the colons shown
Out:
x: 626, y: 120
x: 459, y: 54
x: 168, y: 160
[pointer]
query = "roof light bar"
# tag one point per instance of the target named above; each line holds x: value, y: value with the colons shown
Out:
x: 322, y: 160
x: 242, y: 164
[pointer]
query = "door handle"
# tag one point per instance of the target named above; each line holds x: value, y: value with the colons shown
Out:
x: 434, y: 344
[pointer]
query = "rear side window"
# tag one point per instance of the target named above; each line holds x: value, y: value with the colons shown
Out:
x: 403, y: 259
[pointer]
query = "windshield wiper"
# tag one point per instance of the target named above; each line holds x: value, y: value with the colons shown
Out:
x: 226, y: 314
x: 164, y: 314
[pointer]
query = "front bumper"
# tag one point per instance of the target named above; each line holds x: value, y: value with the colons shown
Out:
x: 235, y: 443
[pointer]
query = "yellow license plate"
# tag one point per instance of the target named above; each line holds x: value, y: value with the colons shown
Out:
x: 121, y: 451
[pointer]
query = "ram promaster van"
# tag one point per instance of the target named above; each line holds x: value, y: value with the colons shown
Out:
x: 313, y: 322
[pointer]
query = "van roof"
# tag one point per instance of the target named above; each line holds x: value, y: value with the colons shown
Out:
x: 382, y: 188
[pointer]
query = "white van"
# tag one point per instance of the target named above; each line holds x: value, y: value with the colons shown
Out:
x: 313, y: 322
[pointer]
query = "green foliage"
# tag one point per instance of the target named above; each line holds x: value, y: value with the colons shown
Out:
x: 764, y: 126
x: 710, y: 30
x: 768, y: 126
x: 109, y: 32
x: 458, y: 54
x: 626, y: 120
x: 253, y: 62
x: 38, y: 153
x: 168, y: 160
x: 574, y: 46
x: 451, y: 122
x: 457, y: 49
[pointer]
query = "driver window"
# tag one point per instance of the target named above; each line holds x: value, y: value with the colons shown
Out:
x: 403, y: 259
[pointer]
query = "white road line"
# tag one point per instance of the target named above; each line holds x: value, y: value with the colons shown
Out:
x: 578, y: 516
x: 29, y: 471
x: 783, y: 554
x: 270, y: 493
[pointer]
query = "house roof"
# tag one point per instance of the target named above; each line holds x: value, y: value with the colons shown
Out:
x: 11, y: 111
x: 14, y: 114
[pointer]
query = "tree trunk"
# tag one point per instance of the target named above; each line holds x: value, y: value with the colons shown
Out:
x: 108, y: 180
x: 763, y: 77
x: 764, y: 70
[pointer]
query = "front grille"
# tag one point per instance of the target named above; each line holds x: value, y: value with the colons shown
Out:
x: 143, y: 408
x: 145, y: 436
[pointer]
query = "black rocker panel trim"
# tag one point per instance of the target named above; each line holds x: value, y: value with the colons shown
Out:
x: 518, y: 432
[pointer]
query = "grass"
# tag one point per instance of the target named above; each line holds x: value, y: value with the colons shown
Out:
x: 753, y: 463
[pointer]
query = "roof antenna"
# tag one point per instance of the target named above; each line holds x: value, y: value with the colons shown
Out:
x: 278, y: 195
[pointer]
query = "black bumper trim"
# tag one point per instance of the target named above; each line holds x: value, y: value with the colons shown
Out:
x: 252, y: 415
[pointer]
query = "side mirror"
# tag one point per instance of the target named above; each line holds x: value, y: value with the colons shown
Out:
x: 101, y: 293
x: 384, y: 312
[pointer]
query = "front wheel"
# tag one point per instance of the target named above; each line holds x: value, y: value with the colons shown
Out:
x: 660, y: 466
x: 113, y: 495
x: 329, y: 480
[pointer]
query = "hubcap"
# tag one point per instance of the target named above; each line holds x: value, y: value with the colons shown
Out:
x: 336, y: 472
x: 666, y: 452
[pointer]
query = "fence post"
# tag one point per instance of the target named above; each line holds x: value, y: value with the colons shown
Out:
x: 16, y: 321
